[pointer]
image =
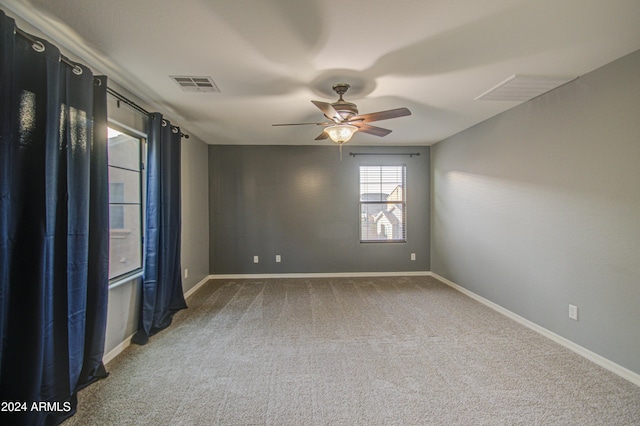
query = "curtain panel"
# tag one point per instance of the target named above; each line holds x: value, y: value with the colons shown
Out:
x: 162, y: 294
x: 53, y: 228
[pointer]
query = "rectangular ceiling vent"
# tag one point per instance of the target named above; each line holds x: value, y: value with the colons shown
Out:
x: 523, y: 88
x: 195, y: 83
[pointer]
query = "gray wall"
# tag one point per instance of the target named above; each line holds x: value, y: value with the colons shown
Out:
x: 301, y: 202
x: 195, y: 211
x: 539, y: 207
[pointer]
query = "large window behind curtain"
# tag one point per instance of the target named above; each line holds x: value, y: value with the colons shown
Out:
x: 383, y: 203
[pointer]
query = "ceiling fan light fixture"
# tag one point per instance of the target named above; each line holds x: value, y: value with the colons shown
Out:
x: 341, y: 133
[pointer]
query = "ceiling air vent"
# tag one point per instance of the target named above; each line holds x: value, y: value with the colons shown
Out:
x: 523, y: 88
x: 195, y: 83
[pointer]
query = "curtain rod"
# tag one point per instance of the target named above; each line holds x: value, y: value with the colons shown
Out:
x: 38, y: 46
x: 122, y: 98
x: 127, y: 101
x: 410, y: 154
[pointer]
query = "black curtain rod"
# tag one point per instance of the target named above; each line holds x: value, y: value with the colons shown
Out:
x: 127, y: 101
x: 410, y: 154
x: 122, y: 98
x: 39, y: 47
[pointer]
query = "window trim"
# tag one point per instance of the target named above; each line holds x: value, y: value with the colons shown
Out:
x: 404, y: 204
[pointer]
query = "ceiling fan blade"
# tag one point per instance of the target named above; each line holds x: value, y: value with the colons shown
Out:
x: 381, y: 115
x: 302, y: 124
x: 328, y: 110
x: 322, y: 136
x: 372, y: 130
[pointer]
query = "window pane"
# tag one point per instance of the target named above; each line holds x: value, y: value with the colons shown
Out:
x: 125, y: 204
x: 382, y: 203
x: 124, y: 151
x: 124, y: 186
x: 124, y: 243
x: 381, y: 222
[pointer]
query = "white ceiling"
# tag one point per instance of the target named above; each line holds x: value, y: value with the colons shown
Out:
x: 271, y: 57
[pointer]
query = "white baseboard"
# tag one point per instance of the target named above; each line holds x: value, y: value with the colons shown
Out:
x: 122, y: 346
x: 584, y: 352
x: 318, y: 275
x: 117, y: 350
x: 197, y: 286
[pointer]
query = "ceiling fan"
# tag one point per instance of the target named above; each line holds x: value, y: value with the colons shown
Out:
x: 345, y: 120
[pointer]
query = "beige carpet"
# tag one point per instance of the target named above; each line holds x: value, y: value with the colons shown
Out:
x: 363, y: 351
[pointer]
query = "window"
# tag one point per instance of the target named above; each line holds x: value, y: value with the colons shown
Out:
x: 125, y: 203
x: 383, y: 203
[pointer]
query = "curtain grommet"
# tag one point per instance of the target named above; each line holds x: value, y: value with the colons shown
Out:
x: 38, y: 46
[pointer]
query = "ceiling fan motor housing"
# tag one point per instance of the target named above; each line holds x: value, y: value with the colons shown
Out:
x: 344, y: 108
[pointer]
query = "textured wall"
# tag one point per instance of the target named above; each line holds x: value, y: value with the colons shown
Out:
x: 539, y: 207
x: 195, y: 211
x: 301, y: 202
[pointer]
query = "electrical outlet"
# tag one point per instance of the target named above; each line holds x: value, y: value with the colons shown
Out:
x: 278, y: 258
x: 413, y: 256
x: 573, y: 312
x: 186, y: 273
x: 256, y: 259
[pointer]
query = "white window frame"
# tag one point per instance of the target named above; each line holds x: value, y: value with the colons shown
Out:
x: 395, y: 202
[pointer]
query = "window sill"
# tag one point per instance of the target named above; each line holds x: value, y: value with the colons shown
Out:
x: 125, y: 279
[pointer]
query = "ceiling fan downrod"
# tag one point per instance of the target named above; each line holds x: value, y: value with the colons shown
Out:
x: 341, y: 89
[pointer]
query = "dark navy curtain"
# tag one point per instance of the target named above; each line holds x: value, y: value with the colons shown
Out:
x: 162, y: 294
x: 53, y: 229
